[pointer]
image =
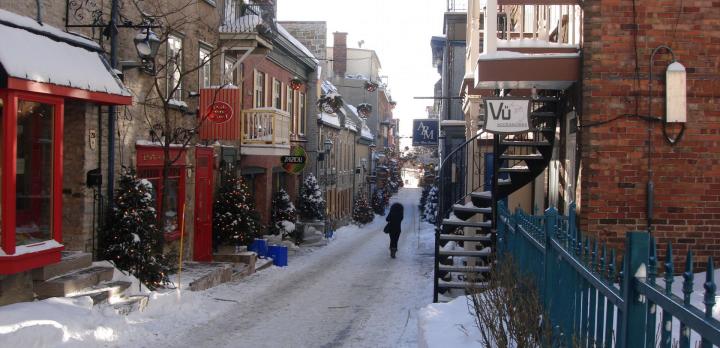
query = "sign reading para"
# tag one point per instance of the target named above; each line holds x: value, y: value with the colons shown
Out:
x: 220, y: 112
x: 425, y: 132
x: 503, y: 115
x: 295, y: 162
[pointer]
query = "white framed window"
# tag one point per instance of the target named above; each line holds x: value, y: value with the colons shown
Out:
x: 204, y: 73
x: 228, y: 71
x: 277, y: 94
x: 259, y: 91
x: 174, y: 55
x: 290, y: 99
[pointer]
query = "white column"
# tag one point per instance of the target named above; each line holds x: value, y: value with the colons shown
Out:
x: 490, y: 27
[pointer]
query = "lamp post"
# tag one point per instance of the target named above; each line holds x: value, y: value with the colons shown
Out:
x: 328, y: 146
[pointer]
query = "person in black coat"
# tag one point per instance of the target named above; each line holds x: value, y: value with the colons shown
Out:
x: 394, y: 219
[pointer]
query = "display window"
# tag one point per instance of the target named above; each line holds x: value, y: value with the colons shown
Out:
x: 150, y: 167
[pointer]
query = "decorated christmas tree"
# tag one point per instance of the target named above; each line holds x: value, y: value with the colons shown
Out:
x: 132, y: 239
x: 312, y: 203
x: 283, y: 216
x: 431, y: 206
x: 362, y: 212
x: 235, y: 220
x: 378, y: 202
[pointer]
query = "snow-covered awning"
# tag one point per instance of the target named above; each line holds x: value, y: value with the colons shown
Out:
x: 48, y: 60
x: 329, y: 119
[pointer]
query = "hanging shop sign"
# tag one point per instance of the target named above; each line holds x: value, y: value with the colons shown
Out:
x: 295, y: 162
x: 425, y: 132
x: 503, y: 115
x: 220, y: 112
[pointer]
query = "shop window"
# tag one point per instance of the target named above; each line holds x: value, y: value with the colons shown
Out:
x: 34, y: 161
x: 173, y: 199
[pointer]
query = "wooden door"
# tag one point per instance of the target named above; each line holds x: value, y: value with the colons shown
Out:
x: 203, y: 204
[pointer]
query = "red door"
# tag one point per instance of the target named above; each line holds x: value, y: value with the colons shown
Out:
x: 203, y: 204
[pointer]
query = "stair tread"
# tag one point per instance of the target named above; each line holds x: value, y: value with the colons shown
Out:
x: 515, y: 170
x: 524, y: 143
x: 483, y: 252
x: 473, y: 209
x: 457, y: 237
x: 482, y: 194
x: 81, y: 273
x: 454, y: 222
x: 543, y: 114
x: 533, y: 156
x: 474, y: 269
x: 460, y: 285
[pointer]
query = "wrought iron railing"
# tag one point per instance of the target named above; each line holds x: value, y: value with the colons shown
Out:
x: 591, y: 301
x: 267, y: 126
x: 240, y: 17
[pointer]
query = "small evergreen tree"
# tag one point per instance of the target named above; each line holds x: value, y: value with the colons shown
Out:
x: 283, y: 215
x: 235, y: 220
x: 431, y: 206
x: 378, y: 202
x: 423, y: 200
x: 312, y: 203
x: 362, y: 212
x: 133, y: 240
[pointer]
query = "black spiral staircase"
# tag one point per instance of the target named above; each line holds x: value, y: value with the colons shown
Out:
x: 469, y: 195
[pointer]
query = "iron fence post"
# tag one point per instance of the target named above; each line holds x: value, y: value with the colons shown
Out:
x: 633, y: 320
x: 549, y: 278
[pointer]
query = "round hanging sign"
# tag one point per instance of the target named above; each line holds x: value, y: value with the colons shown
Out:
x: 220, y: 112
x: 295, y: 162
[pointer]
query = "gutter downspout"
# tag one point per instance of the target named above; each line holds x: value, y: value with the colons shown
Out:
x: 39, y: 11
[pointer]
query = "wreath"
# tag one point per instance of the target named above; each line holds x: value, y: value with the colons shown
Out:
x: 330, y: 103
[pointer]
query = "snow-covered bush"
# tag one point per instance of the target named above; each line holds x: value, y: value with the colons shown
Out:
x: 312, y: 203
x: 431, y: 206
x: 283, y: 215
x: 235, y: 220
x: 362, y: 212
x: 423, y: 200
x: 378, y: 202
x: 132, y: 240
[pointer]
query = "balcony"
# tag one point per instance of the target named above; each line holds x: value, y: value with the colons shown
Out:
x: 527, y: 47
x: 248, y: 25
x: 265, y: 131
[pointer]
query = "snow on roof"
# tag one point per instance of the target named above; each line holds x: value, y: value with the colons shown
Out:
x: 297, y: 43
x: 353, y: 109
x: 366, y: 133
x: 328, y: 87
x: 329, y: 119
x: 39, y: 58
x: 516, y: 55
x: 11, y: 19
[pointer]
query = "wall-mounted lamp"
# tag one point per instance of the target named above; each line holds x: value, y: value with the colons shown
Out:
x: 146, y: 45
x: 328, y: 145
x: 675, y: 94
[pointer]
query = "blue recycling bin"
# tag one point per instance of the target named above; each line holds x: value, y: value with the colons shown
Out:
x: 260, y: 247
x: 279, y: 255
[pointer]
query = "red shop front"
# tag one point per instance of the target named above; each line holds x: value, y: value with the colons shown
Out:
x: 32, y: 107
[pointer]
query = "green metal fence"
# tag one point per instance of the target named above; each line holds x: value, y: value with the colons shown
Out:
x: 593, y: 303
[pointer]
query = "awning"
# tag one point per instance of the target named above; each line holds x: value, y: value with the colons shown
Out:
x: 44, y: 59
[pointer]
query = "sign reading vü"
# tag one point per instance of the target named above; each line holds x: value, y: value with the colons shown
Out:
x: 425, y: 132
x: 504, y: 115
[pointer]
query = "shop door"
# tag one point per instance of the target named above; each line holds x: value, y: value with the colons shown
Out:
x: 203, y: 204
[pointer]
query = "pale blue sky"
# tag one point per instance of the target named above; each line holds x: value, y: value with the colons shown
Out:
x: 399, y: 30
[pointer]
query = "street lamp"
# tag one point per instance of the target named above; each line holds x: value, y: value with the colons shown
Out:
x: 146, y: 45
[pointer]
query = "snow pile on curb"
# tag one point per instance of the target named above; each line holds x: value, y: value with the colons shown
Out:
x: 444, y: 325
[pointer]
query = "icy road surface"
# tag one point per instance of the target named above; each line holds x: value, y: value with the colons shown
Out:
x: 349, y: 293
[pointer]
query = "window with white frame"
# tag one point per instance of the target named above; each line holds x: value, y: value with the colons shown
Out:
x: 228, y: 71
x: 205, y: 70
x: 174, y: 67
x: 277, y: 94
x: 259, y: 100
x: 291, y: 107
x: 301, y: 112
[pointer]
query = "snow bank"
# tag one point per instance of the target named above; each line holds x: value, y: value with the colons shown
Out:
x: 447, y: 325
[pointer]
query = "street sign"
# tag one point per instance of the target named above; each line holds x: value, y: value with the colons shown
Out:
x: 295, y: 162
x: 507, y: 115
x: 425, y: 132
x: 220, y: 112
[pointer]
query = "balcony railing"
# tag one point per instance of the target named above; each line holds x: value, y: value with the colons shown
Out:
x: 266, y: 126
x: 542, y: 26
x: 457, y: 5
x: 240, y: 17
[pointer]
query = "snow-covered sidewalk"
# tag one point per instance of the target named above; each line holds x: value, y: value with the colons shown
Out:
x: 348, y: 293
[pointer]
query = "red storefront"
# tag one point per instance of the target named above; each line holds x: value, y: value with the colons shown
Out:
x: 41, y: 68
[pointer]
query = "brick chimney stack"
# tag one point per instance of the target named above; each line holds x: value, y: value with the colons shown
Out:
x: 340, y: 54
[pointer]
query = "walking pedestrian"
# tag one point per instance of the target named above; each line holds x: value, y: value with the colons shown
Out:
x: 394, y: 219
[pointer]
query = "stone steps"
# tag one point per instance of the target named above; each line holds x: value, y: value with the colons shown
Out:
x: 70, y: 262
x: 102, y: 292
x: 71, y: 283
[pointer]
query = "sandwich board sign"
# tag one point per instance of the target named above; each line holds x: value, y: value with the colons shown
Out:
x: 507, y: 115
x: 425, y: 132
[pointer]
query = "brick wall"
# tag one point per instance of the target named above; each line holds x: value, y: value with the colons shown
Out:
x: 614, y: 155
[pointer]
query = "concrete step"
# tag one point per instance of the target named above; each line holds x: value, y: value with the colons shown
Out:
x: 263, y: 264
x: 71, y: 261
x: 461, y: 285
x: 71, y: 283
x: 102, y: 292
x: 205, y: 275
x: 131, y: 304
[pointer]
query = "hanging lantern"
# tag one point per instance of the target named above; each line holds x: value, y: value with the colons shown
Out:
x: 364, y: 110
x: 371, y: 86
x: 296, y: 84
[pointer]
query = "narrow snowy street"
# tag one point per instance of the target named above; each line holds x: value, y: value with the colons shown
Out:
x: 348, y: 293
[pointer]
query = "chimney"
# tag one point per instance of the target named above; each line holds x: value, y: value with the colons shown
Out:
x: 340, y: 53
